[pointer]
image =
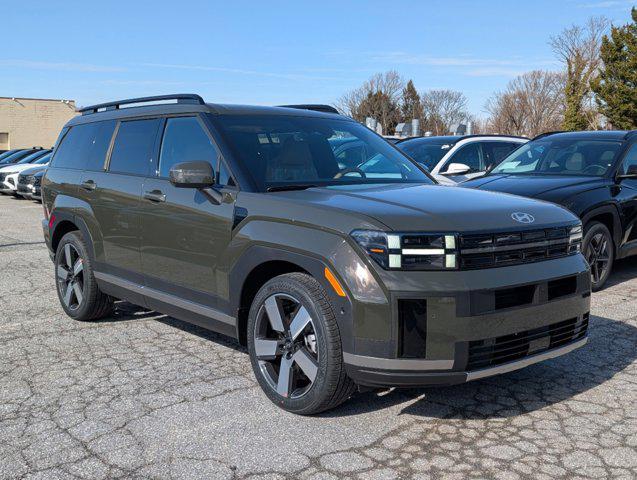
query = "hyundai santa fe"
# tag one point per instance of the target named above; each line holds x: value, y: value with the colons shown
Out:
x: 335, y: 277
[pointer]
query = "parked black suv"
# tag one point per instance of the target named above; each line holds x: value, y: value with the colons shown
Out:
x: 240, y: 219
x: 593, y: 174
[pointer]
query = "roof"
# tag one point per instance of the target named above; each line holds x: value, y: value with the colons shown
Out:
x: 619, y: 135
x: 450, y: 139
x: 436, y: 140
x: 187, y: 103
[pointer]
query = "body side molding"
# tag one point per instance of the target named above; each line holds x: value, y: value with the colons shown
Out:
x: 167, y: 298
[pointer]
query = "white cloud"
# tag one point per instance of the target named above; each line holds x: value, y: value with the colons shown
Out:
x: 466, y: 64
x: 208, y: 68
x: 607, y: 4
x: 62, y: 66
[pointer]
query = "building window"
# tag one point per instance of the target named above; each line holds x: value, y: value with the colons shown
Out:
x: 4, y: 141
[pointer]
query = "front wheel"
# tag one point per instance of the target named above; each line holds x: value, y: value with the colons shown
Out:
x: 295, y: 346
x: 597, y: 247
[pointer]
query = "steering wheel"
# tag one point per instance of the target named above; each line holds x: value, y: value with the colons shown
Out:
x: 594, y: 169
x: 345, y: 171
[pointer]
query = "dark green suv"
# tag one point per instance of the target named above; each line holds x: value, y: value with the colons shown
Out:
x: 241, y: 219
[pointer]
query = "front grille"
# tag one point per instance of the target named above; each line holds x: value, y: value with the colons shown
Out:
x: 512, y: 248
x: 25, y: 180
x: 2, y: 177
x: 37, y: 181
x: 496, y: 351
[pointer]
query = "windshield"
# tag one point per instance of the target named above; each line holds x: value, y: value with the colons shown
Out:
x: 561, y: 157
x: 427, y: 153
x: 31, y: 158
x: 15, y: 157
x: 7, y: 154
x: 283, y: 152
x: 43, y: 160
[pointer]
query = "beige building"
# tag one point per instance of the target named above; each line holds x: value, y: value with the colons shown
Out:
x: 32, y: 122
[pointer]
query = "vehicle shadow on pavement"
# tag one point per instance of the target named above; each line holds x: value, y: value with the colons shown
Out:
x: 610, y: 349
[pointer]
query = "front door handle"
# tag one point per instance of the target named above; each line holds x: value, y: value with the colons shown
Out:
x: 89, y: 185
x: 155, y: 196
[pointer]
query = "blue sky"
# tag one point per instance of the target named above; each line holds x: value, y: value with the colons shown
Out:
x: 278, y: 51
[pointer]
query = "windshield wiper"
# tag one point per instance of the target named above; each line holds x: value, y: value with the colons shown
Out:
x: 282, y: 188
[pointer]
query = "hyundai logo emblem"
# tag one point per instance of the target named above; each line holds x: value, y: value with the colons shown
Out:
x: 523, y: 217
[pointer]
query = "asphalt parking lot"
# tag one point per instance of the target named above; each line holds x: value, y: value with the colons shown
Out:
x: 141, y: 395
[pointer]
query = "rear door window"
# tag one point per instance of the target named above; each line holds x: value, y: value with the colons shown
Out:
x: 85, y: 146
x: 133, y: 147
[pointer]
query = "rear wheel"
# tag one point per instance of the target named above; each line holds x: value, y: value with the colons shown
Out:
x: 598, y: 249
x: 77, y: 289
x: 295, y: 346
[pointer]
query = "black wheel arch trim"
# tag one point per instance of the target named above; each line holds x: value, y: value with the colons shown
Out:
x: 617, y: 232
x: 257, y: 255
x: 66, y: 216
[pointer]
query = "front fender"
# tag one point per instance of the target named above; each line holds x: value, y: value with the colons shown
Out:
x: 313, y: 250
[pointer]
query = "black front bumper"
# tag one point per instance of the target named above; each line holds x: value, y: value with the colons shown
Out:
x: 467, y: 334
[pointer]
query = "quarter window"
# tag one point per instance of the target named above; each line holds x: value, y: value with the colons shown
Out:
x: 85, y: 146
x: 133, y: 148
x: 630, y: 159
x: 185, y: 141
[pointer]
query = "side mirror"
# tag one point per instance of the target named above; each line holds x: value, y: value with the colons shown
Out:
x: 457, y: 169
x: 630, y: 173
x: 192, y: 175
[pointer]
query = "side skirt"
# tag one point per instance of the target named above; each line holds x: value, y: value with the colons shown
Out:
x: 167, y: 304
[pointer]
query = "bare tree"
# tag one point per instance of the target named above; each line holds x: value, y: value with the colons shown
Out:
x: 442, y: 109
x: 578, y: 48
x: 531, y: 104
x: 378, y: 98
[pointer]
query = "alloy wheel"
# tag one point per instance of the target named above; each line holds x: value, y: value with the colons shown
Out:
x: 286, y: 347
x: 598, y: 256
x: 70, y: 277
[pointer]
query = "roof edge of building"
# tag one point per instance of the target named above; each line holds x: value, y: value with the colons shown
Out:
x: 61, y: 100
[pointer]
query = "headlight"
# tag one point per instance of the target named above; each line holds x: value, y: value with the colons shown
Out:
x: 575, y: 239
x: 410, y: 251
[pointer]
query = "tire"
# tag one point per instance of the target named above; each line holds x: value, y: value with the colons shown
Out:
x: 280, y: 345
x: 84, y: 301
x: 599, y: 251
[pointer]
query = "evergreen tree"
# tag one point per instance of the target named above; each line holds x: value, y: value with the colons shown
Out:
x: 616, y: 85
x: 410, y: 106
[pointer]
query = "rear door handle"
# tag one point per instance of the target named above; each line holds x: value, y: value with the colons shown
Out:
x: 155, y: 196
x: 89, y: 185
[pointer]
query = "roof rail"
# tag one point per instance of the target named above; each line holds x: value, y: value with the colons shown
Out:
x: 180, y: 97
x: 546, y: 134
x: 314, y: 107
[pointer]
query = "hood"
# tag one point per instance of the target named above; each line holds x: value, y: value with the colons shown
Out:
x: 437, y: 208
x: 34, y: 169
x: 16, y: 168
x: 553, y: 187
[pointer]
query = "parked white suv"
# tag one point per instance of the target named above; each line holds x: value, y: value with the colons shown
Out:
x: 9, y: 174
x: 454, y: 159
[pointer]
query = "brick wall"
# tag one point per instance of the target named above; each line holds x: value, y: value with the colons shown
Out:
x: 33, y: 122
